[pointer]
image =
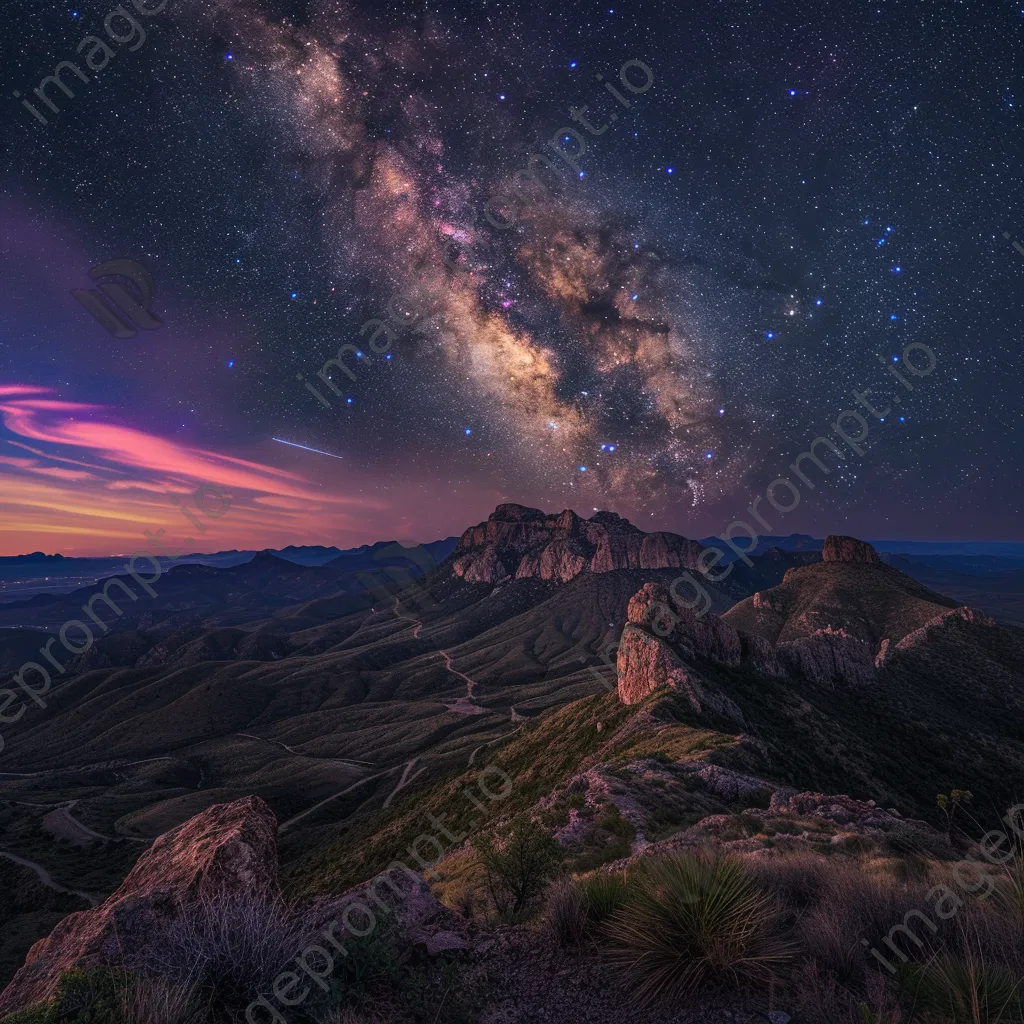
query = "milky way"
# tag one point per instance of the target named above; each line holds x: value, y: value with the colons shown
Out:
x: 563, y: 328
x: 656, y: 325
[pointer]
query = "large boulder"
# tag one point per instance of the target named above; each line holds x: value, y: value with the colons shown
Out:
x: 227, y: 849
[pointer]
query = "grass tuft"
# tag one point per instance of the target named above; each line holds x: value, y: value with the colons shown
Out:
x: 693, y: 919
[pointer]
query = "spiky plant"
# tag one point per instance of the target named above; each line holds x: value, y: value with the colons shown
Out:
x: 566, y: 911
x: 691, y: 919
x: 950, y: 990
x: 603, y: 892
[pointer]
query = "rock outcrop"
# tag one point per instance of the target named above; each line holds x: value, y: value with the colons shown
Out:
x: 405, y: 896
x: 224, y: 854
x: 848, y: 549
x: 664, y: 641
x: 228, y: 848
x: 829, y: 656
x: 518, y: 542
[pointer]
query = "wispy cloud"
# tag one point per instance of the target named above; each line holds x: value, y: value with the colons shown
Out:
x: 126, y: 476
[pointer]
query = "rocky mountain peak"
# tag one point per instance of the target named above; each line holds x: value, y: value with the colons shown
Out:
x: 510, y: 512
x: 848, y: 549
x: 517, y: 542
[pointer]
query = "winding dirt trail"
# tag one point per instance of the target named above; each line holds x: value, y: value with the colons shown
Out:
x: 61, y: 816
x: 405, y: 618
x: 464, y: 705
x: 47, y: 879
x: 349, y: 762
x: 348, y: 789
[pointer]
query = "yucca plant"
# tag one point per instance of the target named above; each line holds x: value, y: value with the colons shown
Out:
x: 947, y: 990
x: 691, y: 919
x: 603, y: 893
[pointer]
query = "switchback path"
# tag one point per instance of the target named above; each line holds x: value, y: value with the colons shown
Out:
x: 47, y: 880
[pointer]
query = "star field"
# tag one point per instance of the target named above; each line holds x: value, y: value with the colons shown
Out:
x: 701, y: 274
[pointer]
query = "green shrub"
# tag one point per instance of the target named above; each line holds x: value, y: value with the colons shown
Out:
x: 518, y: 865
x: 94, y: 996
x: 566, y: 912
x: 692, y: 919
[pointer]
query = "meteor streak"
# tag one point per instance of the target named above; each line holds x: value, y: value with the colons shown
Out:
x: 305, y: 449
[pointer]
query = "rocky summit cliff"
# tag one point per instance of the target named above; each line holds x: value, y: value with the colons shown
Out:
x: 851, y: 591
x: 837, y: 621
x: 517, y: 542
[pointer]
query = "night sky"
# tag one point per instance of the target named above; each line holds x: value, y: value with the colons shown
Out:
x: 802, y: 191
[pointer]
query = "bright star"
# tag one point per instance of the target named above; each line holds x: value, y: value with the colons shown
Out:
x: 231, y: 363
x: 467, y: 431
x: 817, y: 302
x: 583, y: 469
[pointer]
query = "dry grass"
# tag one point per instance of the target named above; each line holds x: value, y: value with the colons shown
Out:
x: 227, y: 949
x: 156, y: 1001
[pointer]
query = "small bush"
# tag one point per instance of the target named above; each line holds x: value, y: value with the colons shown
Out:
x: 797, y: 880
x: 518, y: 865
x: 692, y: 919
x: 227, y: 949
x: 96, y: 996
x: 854, y: 906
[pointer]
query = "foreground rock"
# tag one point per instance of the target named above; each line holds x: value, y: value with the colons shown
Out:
x: 226, y: 853
x: 228, y: 848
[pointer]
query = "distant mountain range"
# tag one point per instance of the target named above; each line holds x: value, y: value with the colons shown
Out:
x: 23, y: 576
